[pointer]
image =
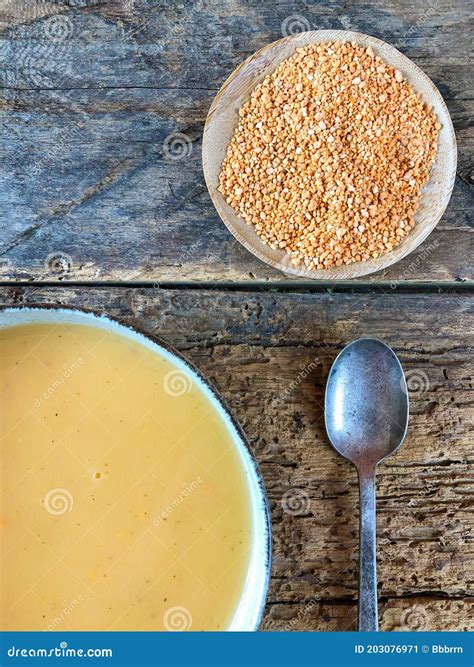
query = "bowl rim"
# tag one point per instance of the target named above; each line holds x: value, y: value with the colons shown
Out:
x: 259, y: 504
x: 254, y: 244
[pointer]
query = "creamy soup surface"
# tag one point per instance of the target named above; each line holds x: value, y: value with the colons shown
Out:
x: 124, y: 501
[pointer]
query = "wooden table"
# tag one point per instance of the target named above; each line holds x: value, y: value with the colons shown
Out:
x: 99, y: 210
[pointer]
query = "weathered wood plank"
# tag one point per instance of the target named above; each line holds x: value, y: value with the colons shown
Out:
x: 269, y: 355
x: 91, y: 93
x: 396, y: 614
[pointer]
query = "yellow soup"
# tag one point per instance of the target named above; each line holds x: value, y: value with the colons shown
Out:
x: 124, y: 500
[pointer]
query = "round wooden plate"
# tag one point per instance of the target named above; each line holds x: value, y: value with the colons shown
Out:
x: 223, y: 117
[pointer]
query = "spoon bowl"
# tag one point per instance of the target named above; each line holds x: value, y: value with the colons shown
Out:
x: 366, y: 402
x: 366, y: 414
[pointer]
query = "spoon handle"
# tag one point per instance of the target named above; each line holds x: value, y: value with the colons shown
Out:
x: 368, y: 614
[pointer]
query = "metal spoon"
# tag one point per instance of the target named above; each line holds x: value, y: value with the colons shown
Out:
x: 366, y: 413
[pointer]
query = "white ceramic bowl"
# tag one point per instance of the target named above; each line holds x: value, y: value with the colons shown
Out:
x: 223, y: 117
x: 250, y: 609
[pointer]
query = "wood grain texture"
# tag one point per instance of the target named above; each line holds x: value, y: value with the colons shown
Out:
x: 269, y: 355
x: 92, y: 92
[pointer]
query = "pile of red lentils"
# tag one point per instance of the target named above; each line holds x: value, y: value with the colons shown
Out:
x: 329, y: 156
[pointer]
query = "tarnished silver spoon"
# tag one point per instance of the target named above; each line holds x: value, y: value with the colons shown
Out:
x: 366, y: 413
